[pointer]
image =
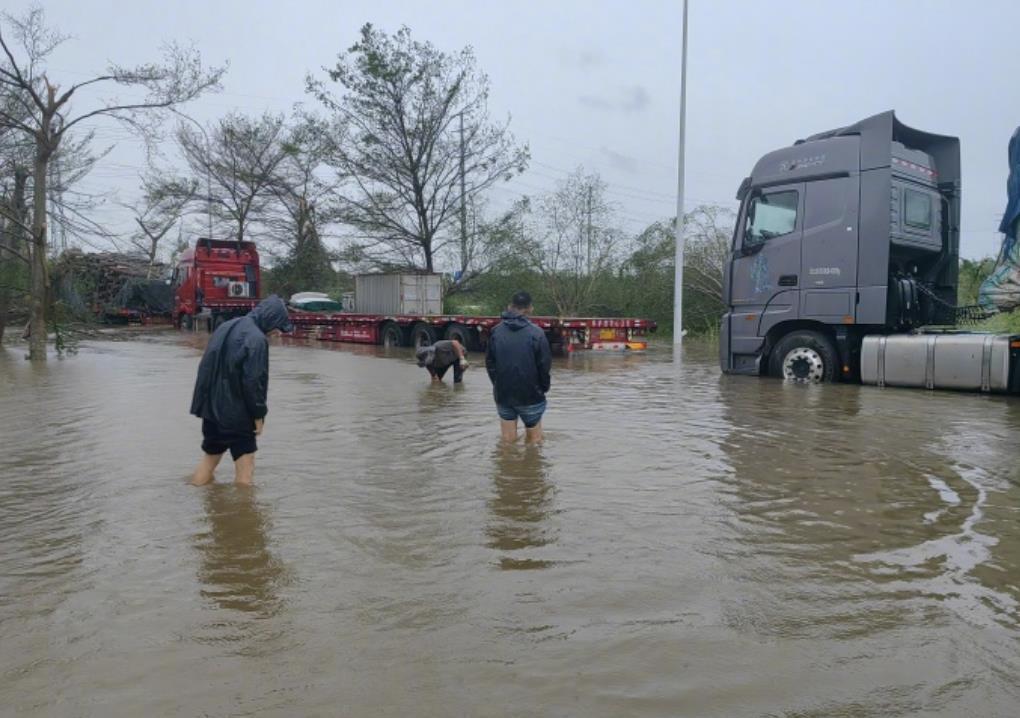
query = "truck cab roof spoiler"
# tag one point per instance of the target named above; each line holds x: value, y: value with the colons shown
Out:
x: 879, y: 131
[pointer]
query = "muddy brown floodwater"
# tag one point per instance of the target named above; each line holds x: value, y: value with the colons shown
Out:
x: 684, y: 544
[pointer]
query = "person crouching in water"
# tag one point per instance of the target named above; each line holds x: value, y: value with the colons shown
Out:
x: 441, y: 356
x: 231, y: 388
x: 518, y: 360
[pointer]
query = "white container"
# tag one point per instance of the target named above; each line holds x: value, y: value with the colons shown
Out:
x: 394, y: 294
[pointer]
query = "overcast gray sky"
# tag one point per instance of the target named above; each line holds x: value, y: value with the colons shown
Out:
x: 597, y: 83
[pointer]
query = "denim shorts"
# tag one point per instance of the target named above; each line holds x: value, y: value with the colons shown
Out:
x: 530, y: 414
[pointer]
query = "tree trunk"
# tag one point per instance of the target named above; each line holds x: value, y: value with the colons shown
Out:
x: 5, y: 274
x: 11, y: 235
x: 427, y: 246
x: 40, y: 281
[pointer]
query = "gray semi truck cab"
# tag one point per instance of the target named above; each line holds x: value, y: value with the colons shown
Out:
x: 846, y: 247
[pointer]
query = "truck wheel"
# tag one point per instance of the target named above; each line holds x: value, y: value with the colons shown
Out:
x: 467, y: 336
x: 423, y: 335
x: 186, y: 323
x: 805, y: 357
x: 391, y: 335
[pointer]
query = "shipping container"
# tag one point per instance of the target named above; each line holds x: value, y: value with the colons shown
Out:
x: 393, y: 294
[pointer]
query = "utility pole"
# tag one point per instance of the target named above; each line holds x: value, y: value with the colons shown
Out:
x: 589, y: 229
x: 463, y: 206
x: 678, y: 278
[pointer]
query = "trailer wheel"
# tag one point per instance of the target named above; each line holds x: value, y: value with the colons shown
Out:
x: 391, y: 335
x: 804, y: 357
x: 423, y: 335
x: 467, y: 336
x: 186, y: 323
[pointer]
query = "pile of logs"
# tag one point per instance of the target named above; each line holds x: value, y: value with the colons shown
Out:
x: 96, y: 278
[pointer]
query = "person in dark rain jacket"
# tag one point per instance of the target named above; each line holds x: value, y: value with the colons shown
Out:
x: 231, y: 389
x: 518, y: 360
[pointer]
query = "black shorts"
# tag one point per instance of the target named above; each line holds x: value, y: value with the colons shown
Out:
x: 216, y: 440
x: 458, y: 373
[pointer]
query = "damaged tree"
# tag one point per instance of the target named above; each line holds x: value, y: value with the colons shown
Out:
x: 43, y: 114
x: 160, y: 209
x: 239, y: 156
x: 418, y: 143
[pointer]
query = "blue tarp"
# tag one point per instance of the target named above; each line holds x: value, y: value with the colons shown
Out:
x: 1001, y: 290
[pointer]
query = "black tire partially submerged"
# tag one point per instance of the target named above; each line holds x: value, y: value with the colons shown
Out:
x: 391, y: 335
x: 467, y: 336
x: 805, y: 357
x: 423, y: 335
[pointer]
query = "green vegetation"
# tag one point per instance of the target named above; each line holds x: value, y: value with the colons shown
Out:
x: 1005, y: 323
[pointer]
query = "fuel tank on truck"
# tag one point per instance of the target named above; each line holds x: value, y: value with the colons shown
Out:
x: 968, y: 362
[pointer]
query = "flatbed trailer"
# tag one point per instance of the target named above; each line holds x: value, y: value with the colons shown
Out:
x: 219, y: 280
x: 565, y: 334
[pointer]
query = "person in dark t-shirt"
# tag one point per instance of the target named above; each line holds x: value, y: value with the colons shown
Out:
x: 442, y: 355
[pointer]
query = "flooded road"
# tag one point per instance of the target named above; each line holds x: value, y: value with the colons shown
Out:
x: 684, y: 544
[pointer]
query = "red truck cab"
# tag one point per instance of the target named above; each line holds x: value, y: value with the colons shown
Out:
x: 217, y: 280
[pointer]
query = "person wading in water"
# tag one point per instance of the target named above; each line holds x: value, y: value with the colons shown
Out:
x: 231, y: 389
x: 518, y: 360
x: 441, y: 356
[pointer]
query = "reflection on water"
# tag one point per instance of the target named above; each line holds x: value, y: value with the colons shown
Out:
x: 237, y: 569
x: 707, y: 545
x: 520, y: 506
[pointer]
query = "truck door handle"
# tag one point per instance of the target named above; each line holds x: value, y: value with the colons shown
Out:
x: 788, y: 280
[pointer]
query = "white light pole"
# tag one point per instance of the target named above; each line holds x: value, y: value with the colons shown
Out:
x: 678, y: 280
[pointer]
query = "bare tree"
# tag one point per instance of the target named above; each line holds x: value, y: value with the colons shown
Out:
x: 159, y: 210
x: 66, y: 207
x: 303, y: 207
x: 44, y: 115
x: 418, y: 143
x: 708, y: 230
x: 572, y: 241
x: 492, y: 243
x: 304, y: 194
x: 241, y: 159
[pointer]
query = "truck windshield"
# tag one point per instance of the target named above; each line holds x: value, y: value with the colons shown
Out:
x: 771, y: 215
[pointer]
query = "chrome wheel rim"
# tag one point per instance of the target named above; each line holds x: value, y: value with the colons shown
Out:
x: 804, y: 365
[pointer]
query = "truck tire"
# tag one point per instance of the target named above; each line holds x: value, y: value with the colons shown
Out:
x: 423, y: 335
x: 805, y: 357
x: 186, y: 323
x: 467, y: 336
x: 391, y: 335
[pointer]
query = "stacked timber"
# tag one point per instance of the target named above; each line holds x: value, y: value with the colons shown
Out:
x: 94, y: 281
